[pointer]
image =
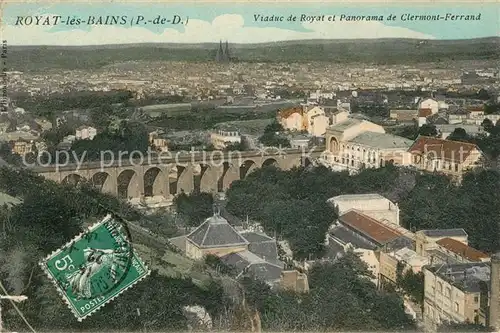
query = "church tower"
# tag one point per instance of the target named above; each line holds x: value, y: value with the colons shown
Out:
x: 219, y: 57
x: 227, y: 56
x: 222, y: 54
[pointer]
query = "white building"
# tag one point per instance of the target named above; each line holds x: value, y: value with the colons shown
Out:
x: 69, y: 138
x: 299, y: 141
x: 318, y: 95
x: 85, y: 133
x: 318, y: 121
x: 430, y: 103
x: 308, y: 118
x: 372, y: 204
x: 339, y: 116
x: 221, y: 138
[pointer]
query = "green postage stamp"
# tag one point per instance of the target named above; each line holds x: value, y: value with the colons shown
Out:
x: 95, y: 267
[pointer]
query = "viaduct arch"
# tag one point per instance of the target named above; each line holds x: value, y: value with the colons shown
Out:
x: 169, y: 179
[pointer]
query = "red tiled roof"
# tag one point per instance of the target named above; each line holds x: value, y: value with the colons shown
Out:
x: 368, y: 227
x: 461, y: 249
x: 424, y: 112
x: 454, y: 151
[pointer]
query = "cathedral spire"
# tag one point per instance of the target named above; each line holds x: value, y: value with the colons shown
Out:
x: 222, y: 54
x: 226, y: 51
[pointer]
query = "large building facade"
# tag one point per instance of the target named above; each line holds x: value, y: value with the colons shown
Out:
x: 457, y: 293
x: 452, y: 158
x: 355, y: 144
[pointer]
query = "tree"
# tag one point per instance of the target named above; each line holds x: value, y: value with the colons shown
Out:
x: 274, y: 127
x: 272, y: 136
x: 270, y: 139
x: 195, y: 207
x: 427, y: 130
x: 492, y: 108
x: 55, y: 135
x: 459, y: 134
x: 292, y: 204
x: 357, y: 303
x: 51, y: 214
x: 127, y: 138
x: 239, y: 146
x: 465, y: 206
x: 101, y: 116
x: 487, y: 125
x: 8, y: 156
x: 412, y: 284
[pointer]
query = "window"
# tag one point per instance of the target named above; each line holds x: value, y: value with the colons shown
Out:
x: 448, y: 293
x: 440, y: 287
x: 457, y: 308
x: 456, y: 167
x: 476, y: 299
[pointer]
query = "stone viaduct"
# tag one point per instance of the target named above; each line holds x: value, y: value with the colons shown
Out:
x: 167, y: 176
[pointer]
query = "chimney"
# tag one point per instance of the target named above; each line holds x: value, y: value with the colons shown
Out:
x: 494, y: 311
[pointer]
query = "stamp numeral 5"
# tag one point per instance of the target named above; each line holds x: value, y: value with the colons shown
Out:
x: 64, y: 263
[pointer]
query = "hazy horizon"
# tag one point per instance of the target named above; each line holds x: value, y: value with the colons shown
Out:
x: 263, y: 44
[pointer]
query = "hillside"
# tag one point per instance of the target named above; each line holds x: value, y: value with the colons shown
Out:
x: 378, y: 51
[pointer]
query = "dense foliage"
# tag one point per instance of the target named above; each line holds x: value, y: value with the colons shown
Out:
x: 292, y: 204
x: 206, y: 120
x: 342, y: 298
x: 435, y: 203
x: 127, y: 137
x: 427, y: 130
x: 46, y: 106
x: 49, y: 216
x: 194, y: 208
x: 273, y: 136
x: 410, y: 283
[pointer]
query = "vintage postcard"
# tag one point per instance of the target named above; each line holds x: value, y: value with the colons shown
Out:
x: 250, y: 166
